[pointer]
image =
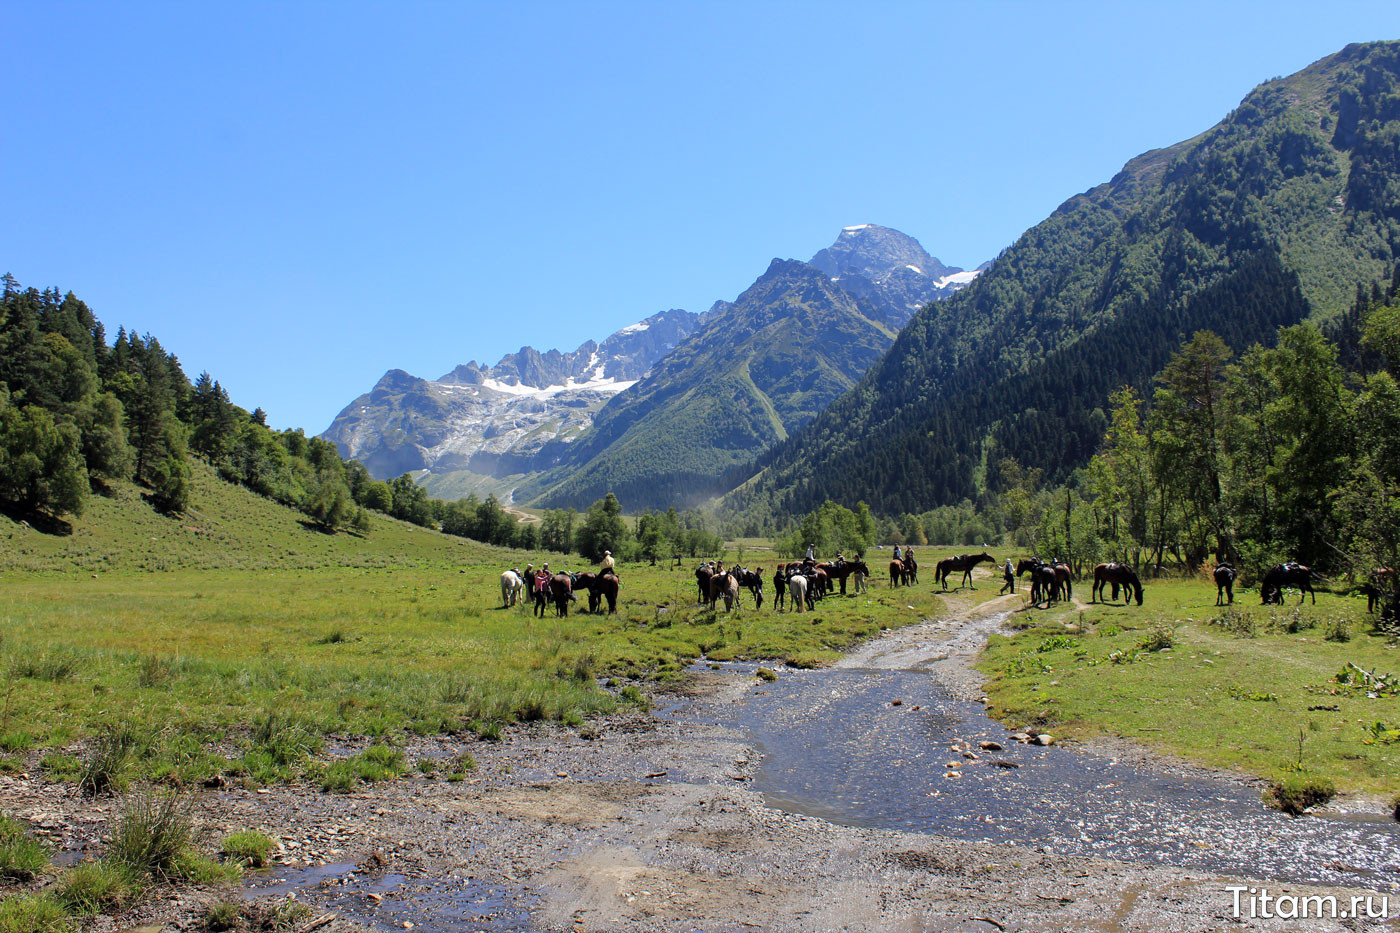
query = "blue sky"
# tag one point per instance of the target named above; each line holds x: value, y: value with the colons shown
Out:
x: 299, y: 196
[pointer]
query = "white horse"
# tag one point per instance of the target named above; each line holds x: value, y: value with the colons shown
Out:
x: 797, y: 591
x: 511, y: 587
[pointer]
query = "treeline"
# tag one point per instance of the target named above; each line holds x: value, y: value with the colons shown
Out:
x: 1288, y: 452
x: 77, y: 415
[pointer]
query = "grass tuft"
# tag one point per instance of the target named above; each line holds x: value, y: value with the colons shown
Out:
x: 376, y: 763
x: 223, y: 914
x: 33, y: 913
x: 152, y: 833
x: 104, y: 770
x: 97, y: 887
x: 1295, y: 793
x: 22, y: 857
x: 51, y: 666
x: 248, y: 847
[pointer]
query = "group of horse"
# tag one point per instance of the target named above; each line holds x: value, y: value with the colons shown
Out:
x: 1291, y: 575
x: 797, y: 585
x: 559, y: 588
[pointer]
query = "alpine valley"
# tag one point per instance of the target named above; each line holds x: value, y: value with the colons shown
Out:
x: 664, y: 410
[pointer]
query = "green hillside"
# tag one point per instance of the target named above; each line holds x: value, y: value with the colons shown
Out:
x: 781, y: 353
x: 225, y: 527
x: 1273, y: 215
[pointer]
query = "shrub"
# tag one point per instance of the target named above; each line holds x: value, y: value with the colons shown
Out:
x: 151, y: 834
x: 105, y: 767
x: 21, y: 856
x: 1296, y: 792
x: 97, y: 887
x: 222, y: 915
x: 1159, y: 636
x: 33, y: 913
x: 248, y: 847
x: 1236, y: 622
x: 1336, y: 630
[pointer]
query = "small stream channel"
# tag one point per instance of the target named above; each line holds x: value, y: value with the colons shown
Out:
x: 835, y: 747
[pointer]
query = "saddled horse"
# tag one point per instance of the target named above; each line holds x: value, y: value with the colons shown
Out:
x: 798, y: 592
x: 1224, y: 576
x: 752, y: 580
x: 511, y: 588
x: 1287, y: 575
x: 901, y: 574
x: 561, y: 590
x: 1117, y: 575
x: 600, y: 586
x: 964, y: 563
x: 841, y: 570
x: 1044, y: 587
x: 724, y: 586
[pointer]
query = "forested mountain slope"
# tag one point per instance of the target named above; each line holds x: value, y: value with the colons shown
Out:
x: 1270, y: 216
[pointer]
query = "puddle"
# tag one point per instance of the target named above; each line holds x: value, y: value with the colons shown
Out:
x: 835, y: 747
x: 450, y: 905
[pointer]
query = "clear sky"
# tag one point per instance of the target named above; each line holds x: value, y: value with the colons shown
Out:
x: 299, y: 196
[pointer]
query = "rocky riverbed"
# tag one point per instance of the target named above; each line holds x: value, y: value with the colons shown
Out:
x: 661, y: 822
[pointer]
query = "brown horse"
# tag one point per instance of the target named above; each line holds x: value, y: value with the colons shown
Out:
x: 599, y: 586
x: 1287, y: 575
x: 723, y: 585
x: 1117, y: 575
x: 561, y: 589
x: 964, y: 563
x: 900, y: 574
x: 1224, y: 576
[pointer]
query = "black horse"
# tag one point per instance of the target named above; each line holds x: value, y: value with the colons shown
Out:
x: 964, y: 563
x: 752, y: 580
x: 1224, y: 576
x: 1044, y: 586
x: 1287, y: 575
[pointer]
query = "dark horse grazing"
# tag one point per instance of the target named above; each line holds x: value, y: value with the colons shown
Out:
x: 1043, y: 583
x: 561, y: 589
x: 963, y: 562
x: 1286, y: 575
x: 1224, y: 576
x: 1117, y: 575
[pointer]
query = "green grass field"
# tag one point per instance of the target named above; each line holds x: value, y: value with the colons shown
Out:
x: 238, y: 638
x: 1255, y: 688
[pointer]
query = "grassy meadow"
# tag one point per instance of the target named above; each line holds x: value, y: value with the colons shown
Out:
x: 1251, y: 687
x: 238, y: 639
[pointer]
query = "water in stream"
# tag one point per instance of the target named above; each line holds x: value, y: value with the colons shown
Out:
x: 836, y: 748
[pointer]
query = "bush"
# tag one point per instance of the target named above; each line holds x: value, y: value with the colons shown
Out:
x: 1237, y: 622
x: 249, y: 847
x: 152, y: 833
x: 97, y: 887
x: 222, y: 915
x: 33, y: 913
x: 1159, y: 636
x: 1296, y: 792
x: 1336, y: 630
x: 105, y: 767
x: 22, y: 857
